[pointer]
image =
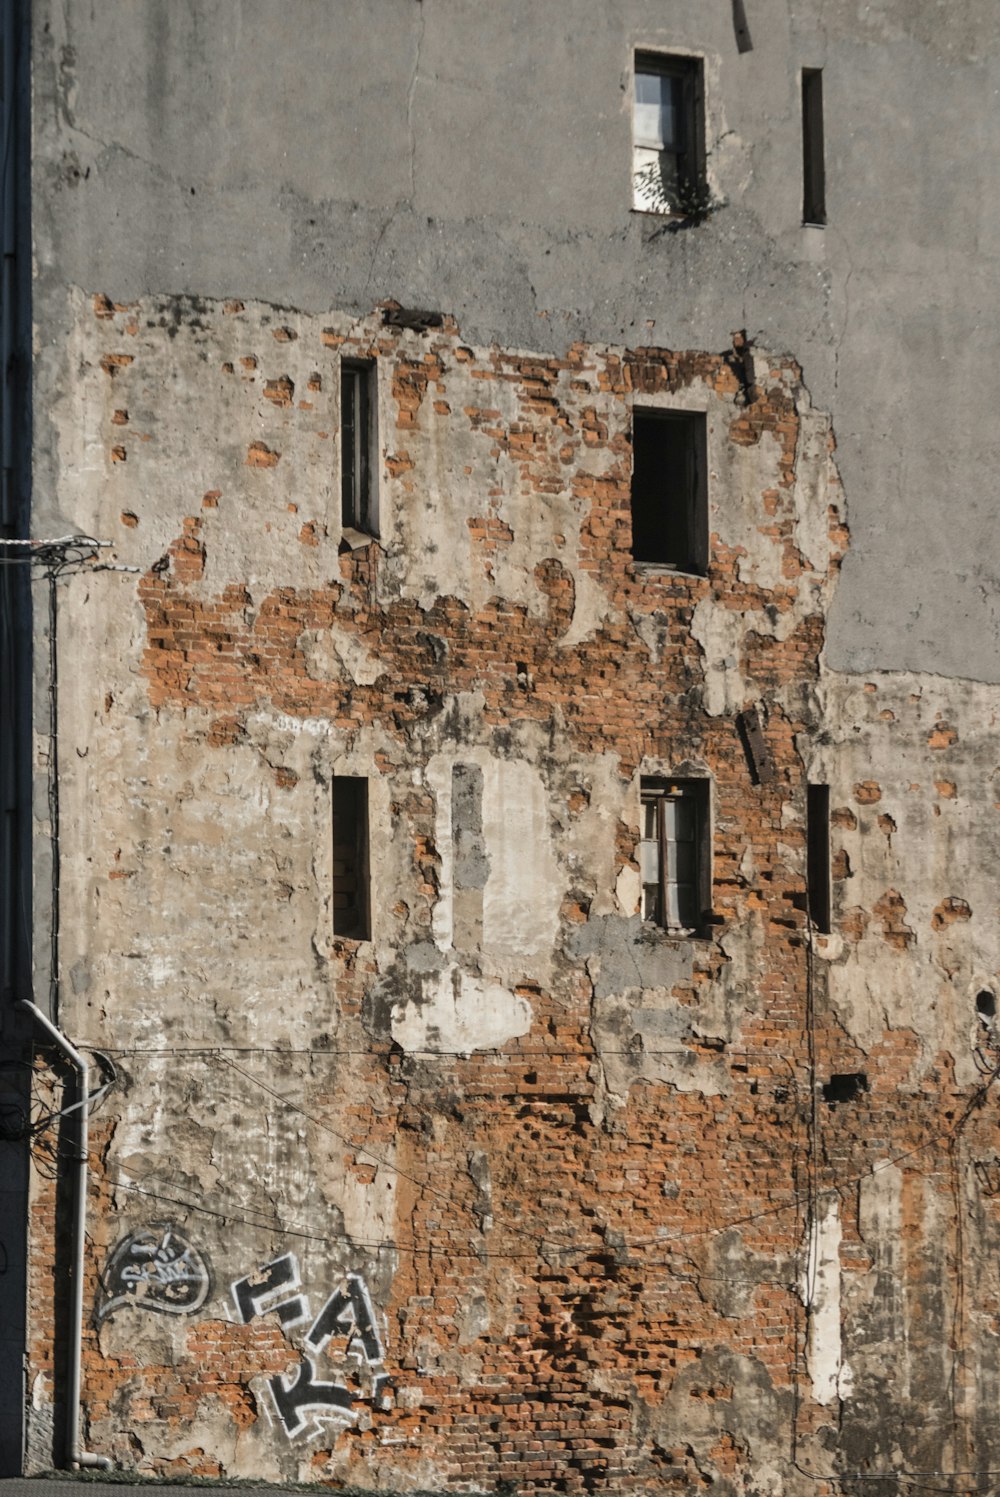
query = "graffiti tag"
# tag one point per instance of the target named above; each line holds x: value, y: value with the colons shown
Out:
x: 347, y: 1315
x: 155, y: 1270
x: 275, y: 1282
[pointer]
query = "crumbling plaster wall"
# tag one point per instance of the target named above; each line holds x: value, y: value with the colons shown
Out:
x: 573, y: 1163
x: 480, y: 163
x: 648, y: 1251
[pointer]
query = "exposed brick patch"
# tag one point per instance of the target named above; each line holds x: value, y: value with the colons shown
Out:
x: 113, y: 363
x: 942, y: 736
x: 259, y: 455
x: 611, y: 1366
x: 890, y: 910
x: 949, y: 911
x: 279, y: 391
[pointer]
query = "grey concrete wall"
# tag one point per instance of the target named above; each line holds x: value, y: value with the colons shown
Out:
x: 476, y: 158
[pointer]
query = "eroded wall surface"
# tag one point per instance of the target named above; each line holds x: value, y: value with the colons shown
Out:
x: 522, y: 1187
x: 478, y: 160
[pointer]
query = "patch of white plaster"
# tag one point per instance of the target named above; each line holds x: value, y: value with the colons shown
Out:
x: 369, y: 1208
x: 628, y: 887
x: 522, y: 895
x: 812, y: 487
x: 591, y: 607
x: 821, y: 1297
x: 442, y: 919
x: 721, y: 632
x: 360, y: 664
x: 459, y: 1014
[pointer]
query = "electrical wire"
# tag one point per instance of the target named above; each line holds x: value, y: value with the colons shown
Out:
x: 588, y: 1251
x: 383, y: 1163
x: 402, y: 1055
x: 796, y: 1200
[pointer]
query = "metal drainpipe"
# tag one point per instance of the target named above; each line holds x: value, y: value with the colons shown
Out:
x: 76, y: 1456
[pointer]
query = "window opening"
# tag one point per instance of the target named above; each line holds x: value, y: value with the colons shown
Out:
x: 818, y: 855
x: 350, y: 857
x: 813, y: 164
x: 668, y: 153
x: 669, y: 494
x: 674, y: 853
x: 358, y: 499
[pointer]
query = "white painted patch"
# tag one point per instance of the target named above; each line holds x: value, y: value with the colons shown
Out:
x: 459, y: 1014
x: 361, y: 665
x: 721, y: 632
x: 524, y: 889
x: 522, y: 895
x: 442, y: 917
x: 628, y: 887
x: 281, y: 722
x: 821, y: 1296
x: 591, y: 607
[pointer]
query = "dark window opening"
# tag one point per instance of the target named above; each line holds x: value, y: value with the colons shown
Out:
x: 668, y: 135
x: 813, y: 165
x: 350, y: 858
x: 845, y: 1088
x: 669, y: 493
x: 675, y: 854
x: 818, y: 855
x: 986, y: 1004
x: 358, y: 497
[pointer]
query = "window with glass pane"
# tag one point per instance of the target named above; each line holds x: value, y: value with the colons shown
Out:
x: 674, y: 853
x: 667, y: 162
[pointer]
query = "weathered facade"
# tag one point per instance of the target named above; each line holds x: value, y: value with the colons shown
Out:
x: 540, y: 993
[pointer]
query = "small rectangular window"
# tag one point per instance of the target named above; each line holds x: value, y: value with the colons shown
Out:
x: 668, y: 151
x: 351, y: 904
x: 669, y: 491
x: 813, y: 166
x: 818, y: 855
x: 675, y: 854
x: 358, y: 450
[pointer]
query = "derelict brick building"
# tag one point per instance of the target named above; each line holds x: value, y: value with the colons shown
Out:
x: 510, y: 714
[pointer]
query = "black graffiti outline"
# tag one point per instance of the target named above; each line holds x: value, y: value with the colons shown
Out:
x: 328, y: 1400
x: 350, y: 1313
x: 156, y: 1270
x: 250, y: 1293
x: 346, y: 1313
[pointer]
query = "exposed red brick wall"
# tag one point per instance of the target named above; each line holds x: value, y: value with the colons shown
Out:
x: 624, y: 1351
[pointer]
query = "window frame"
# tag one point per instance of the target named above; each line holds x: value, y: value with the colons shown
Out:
x: 694, y: 498
x: 687, y: 69
x: 813, y: 150
x: 359, y: 465
x: 819, y: 870
x: 351, y: 922
x: 691, y: 917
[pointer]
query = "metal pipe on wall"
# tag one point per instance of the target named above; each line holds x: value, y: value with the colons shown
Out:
x: 75, y: 1455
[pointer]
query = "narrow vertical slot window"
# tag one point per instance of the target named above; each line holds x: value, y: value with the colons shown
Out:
x: 358, y: 446
x: 351, y: 898
x: 669, y: 492
x: 675, y: 854
x: 818, y: 856
x: 813, y: 164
